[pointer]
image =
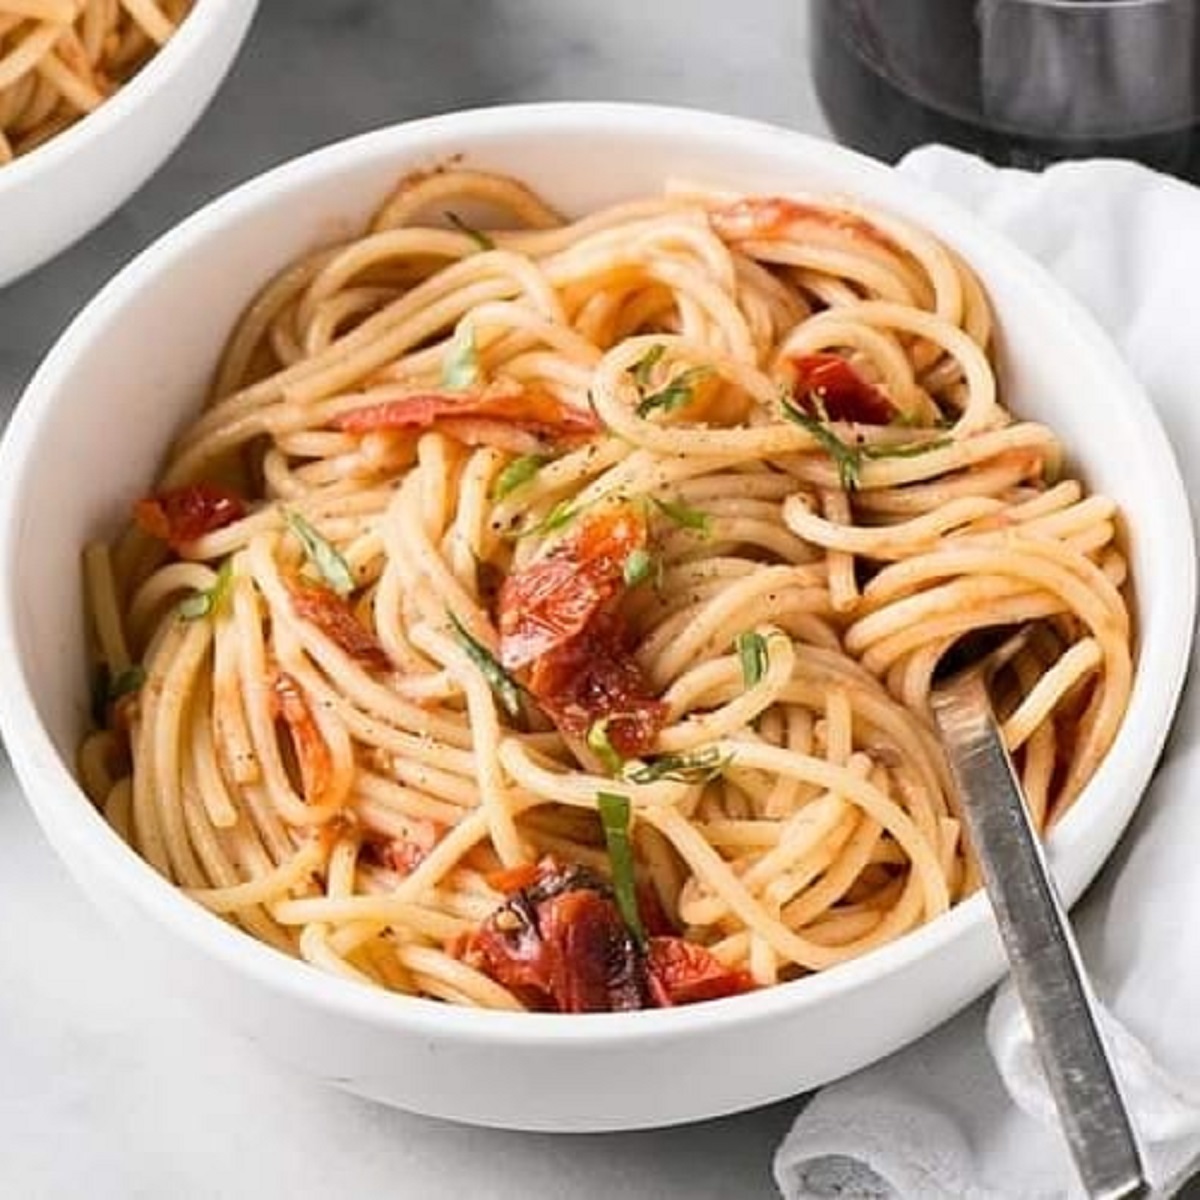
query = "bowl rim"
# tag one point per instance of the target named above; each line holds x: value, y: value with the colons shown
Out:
x: 193, y: 31
x: 58, y: 800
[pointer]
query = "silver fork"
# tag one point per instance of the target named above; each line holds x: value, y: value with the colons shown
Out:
x: 1042, y: 953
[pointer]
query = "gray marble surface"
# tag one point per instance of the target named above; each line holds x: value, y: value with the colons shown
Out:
x: 109, y: 1087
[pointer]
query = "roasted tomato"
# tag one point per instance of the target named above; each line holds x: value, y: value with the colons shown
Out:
x: 598, y: 968
x: 527, y: 408
x: 405, y: 854
x: 558, y: 617
x: 553, y: 599
x: 595, y: 676
x: 773, y: 217
x: 684, y: 973
x: 560, y: 944
x: 826, y: 384
x: 183, y: 514
x: 332, y: 615
x: 289, y: 704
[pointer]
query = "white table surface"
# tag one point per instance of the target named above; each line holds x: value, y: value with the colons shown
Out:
x: 109, y: 1090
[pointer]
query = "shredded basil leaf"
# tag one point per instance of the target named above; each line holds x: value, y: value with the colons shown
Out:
x: 683, y: 516
x: 599, y: 744
x: 847, y: 459
x: 701, y: 766
x: 330, y: 565
x: 504, y: 687
x: 752, y: 651
x: 640, y: 566
x: 559, y: 517
x: 519, y: 471
x: 645, y: 365
x: 460, y: 367
x: 108, y: 688
x: 480, y: 238
x: 905, y: 449
x: 614, y: 816
x: 914, y: 420
x: 209, y: 601
x: 676, y: 394
x: 127, y: 682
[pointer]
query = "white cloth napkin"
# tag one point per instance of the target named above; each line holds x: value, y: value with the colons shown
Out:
x: 965, y: 1113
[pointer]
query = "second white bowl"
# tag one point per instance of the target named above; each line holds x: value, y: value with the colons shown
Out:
x: 52, y: 196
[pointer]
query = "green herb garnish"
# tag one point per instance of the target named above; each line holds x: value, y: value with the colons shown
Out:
x: 702, y: 766
x: 599, y: 744
x: 127, y: 682
x: 752, y: 651
x: 480, y: 238
x: 519, y: 471
x: 614, y: 816
x: 640, y: 566
x: 642, y: 368
x: 683, y: 516
x: 208, y: 602
x: 330, y: 565
x: 905, y: 449
x: 847, y: 459
x: 460, y: 367
x: 559, y: 517
x: 676, y: 394
x: 504, y: 687
x: 108, y: 688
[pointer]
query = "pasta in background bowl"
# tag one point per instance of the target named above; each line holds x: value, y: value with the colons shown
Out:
x: 93, y: 98
x: 642, y: 1068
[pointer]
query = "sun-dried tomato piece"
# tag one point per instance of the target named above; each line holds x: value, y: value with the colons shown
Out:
x: 828, y: 386
x: 289, y: 704
x: 758, y: 217
x: 598, y: 968
x: 593, y: 677
x: 333, y: 616
x: 180, y: 515
x: 686, y: 973
x: 529, y: 409
x: 405, y: 854
x: 553, y: 599
x: 561, y: 944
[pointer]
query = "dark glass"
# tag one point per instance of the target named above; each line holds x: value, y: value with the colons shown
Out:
x: 1022, y: 82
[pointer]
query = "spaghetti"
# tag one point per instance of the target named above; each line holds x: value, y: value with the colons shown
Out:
x: 60, y: 59
x: 546, y: 616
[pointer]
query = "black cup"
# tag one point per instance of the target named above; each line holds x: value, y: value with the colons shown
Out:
x: 1023, y: 82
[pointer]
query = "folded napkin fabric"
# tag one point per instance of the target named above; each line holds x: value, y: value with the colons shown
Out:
x: 965, y: 1113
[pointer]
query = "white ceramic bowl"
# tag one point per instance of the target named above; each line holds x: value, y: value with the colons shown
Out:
x: 52, y: 196
x: 91, y: 430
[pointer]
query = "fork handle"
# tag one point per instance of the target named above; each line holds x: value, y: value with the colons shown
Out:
x: 1042, y: 953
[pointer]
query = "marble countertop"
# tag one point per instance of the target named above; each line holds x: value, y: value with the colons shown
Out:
x: 111, y: 1088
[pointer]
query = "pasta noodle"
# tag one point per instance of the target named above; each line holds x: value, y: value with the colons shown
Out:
x: 512, y: 581
x: 60, y: 59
